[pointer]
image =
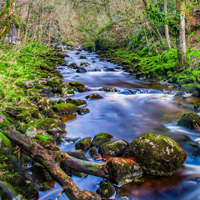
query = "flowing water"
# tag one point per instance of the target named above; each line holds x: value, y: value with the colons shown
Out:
x: 137, y: 108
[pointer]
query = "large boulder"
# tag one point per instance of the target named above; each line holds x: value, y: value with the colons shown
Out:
x: 101, y: 138
x: 189, y: 120
x: 123, y: 170
x: 84, y: 144
x: 113, y: 148
x: 156, y: 154
x: 65, y: 109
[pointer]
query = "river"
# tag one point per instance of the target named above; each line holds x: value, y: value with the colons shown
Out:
x: 137, y: 108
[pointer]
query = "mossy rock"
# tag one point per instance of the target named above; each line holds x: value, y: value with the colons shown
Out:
x: 156, y: 154
x: 113, y: 148
x: 109, y: 89
x: 84, y: 64
x: 93, y: 152
x: 189, y: 120
x: 42, y: 103
x: 123, y: 170
x: 76, y: 84
x: 83, y: 111
x: 94, y: 96
x: 51, y: 126
x: 4, y: 122
x: 73, y: 66
x: 82, y: 57
x: 5, y: 144
x: 21, y: 84
x: 32, y: 92
x: 101, y: 138
x: 82, y: 89
x: 25, y: 116
x: 54, y: 82
x: 66, y: 89
x: 16, y: 110
x: 190, y: 88
x: 77, y: 102
x: 65, y: 109
x: 49, y: 113
x: 106, y: 190
x: 84, y: 144
x: 2, y: 95
x: 81, y: 70
x: 46, y: 141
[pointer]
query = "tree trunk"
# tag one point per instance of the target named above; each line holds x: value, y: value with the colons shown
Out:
x: 166, y: 26
x: 46, y: 158
x: 127, y: 169
x: 180, y: 37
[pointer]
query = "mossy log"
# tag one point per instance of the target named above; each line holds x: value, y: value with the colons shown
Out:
x: 9, y: 190
x: 47, y: 159
x: 129, y: 169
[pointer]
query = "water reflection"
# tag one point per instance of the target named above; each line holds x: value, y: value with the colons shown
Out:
x: 149, y: 107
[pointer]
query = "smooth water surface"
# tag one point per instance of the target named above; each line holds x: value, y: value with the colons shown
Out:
x: 137, y: 108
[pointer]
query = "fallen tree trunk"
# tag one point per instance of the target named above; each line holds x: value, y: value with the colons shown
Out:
x: 9, y: 190
x: 118, y: 170
x: 46, y: 158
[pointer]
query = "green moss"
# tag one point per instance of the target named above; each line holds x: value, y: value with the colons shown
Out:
x: 65, y: 108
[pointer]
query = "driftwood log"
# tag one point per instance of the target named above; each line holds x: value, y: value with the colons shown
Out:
x: 47, y: 159
x: 117, y: 170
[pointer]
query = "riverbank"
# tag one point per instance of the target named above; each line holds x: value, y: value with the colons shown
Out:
x: 28, y: 74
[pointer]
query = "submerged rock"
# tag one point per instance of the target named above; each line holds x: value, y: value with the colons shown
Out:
x: 83, y: 111
x: 85, y: 64
x: 77, y: 102
x: 101, y: 138
x: 94, y: 96
x: 83, y: 57
x: 84, y: 144
x: 189, y: 120
x: 113, y: 148
x: 109, y: 89
x: 81, y: 70
x: 106, y: 190
x: 76, y: 84
x: 156, y: 154
x: 73, y: 66
x: 123, y: 170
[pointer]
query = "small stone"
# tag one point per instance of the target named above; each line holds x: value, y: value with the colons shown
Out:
x: 73, y: 66
x: 84, y: 64
x: 81, y: 70
x: 106, y: 190
x: 94, y: 96
x: 83, y: 111
x: 82, y: 57
x: 109, y: 89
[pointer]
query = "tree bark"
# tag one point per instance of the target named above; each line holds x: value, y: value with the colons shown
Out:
x: 47, y: 159
x: 166, y: 26
x: 180, y: 37
x: 127, y: 169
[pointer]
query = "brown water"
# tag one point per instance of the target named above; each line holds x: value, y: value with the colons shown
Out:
x: 149, y: 108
